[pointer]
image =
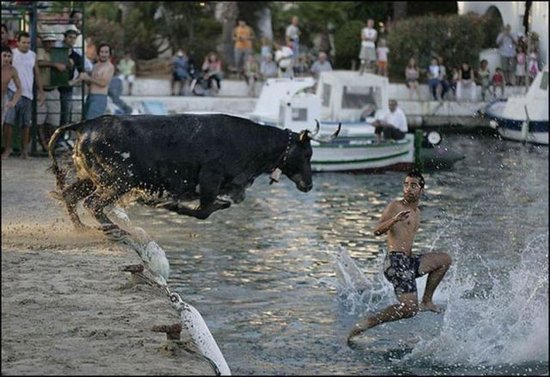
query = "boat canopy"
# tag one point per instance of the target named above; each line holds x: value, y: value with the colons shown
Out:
x: 347, y: 95
x: 275, y: 90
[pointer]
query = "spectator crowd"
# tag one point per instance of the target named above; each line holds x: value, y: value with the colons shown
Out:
x: 91, y: 65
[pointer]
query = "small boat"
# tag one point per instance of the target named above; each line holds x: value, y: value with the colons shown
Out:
x: 353, y: 101
x: 523, y: 118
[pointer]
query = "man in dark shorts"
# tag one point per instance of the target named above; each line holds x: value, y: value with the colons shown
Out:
x: 401, y: 220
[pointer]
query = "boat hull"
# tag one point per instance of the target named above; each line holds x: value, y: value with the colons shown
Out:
x: 362, y: 154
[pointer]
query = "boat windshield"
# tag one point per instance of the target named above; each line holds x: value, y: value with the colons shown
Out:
x: 357, y: 97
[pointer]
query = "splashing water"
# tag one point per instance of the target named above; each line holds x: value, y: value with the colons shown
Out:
x: 358, y: 292
x: 506, y: 325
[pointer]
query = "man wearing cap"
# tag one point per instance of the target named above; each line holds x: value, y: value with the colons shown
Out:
x: 48, y: 114
x: 75, y: 66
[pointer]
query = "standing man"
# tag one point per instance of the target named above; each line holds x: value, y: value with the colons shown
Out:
x: 127, y: 69
x: 48, y: 114
x: 9, y: 73
x: 401, y: 220
x: 293, y: 37
x: 76, y: 64
x: 367, y: 55
x: 507, y: 50
x: 24, y: 61
x: 393, y: 125
x: 243, y: 36
x: 99, y: 81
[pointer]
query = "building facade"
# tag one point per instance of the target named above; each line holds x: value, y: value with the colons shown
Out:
x: 512, y: 13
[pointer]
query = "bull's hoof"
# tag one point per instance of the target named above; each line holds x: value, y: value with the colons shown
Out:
x: 173, y: 332
x: 113, y: 232
x: 57, y: 196
x: 133, y: 268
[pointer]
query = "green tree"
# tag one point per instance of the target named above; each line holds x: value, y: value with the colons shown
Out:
x: 457, y: 39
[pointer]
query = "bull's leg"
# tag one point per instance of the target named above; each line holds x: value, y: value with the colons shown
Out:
x: 209, y: 181
x: 96, y: 203
x: 71, y: 195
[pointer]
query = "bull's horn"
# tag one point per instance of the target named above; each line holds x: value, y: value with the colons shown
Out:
x: 317, y: 128
x: 331, y: 137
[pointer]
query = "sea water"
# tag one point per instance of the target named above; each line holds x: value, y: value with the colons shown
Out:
x: 281, y: 277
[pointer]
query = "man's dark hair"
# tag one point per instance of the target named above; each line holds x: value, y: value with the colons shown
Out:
x: 23, y: 34
x: 416, y: 174
x: 6, y: 48
x: 103, y: 44
x: 73, y: 13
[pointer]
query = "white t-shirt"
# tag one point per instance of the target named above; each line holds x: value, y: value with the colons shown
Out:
x: 396, y: 119
x: 370, y: 34
x: 382, y: 53
x: 293, y: 33
x: 24, y: 64
x: 434, y: 71
x: 283, y: 57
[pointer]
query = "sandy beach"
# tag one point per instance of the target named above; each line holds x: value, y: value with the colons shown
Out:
x: 67, y: 309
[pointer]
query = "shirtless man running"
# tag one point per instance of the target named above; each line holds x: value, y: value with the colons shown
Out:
x: 401, y: 220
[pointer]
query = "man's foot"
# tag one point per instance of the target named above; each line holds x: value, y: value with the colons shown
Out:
x: 429, y: 306
x: 6, y: 154
x: 25, y: 156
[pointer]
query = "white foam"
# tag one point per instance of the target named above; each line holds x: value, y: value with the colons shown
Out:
x: 507, y: 323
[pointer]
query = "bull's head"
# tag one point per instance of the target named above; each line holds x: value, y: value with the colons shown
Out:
x: 297, y: 166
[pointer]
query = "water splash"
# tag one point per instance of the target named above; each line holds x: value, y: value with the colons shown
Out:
x: 358, y: 292
x: 505, y: 324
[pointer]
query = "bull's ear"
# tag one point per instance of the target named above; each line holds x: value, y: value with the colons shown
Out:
x: 304, y: 136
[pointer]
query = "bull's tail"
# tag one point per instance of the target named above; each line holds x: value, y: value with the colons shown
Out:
x: 60, y: 174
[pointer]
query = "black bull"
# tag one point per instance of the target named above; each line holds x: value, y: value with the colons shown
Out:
x: 176, y: 157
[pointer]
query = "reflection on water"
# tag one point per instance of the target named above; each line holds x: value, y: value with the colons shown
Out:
x: 265, y: 276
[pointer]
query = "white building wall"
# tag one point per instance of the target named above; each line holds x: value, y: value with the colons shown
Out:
x: 512, y: 13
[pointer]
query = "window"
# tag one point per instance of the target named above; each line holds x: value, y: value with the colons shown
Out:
x: 357, y: 97
x: 299, y: 115
x: 326, y: 94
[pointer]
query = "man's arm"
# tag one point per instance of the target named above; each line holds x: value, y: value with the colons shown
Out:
x: 389, y: 218
x: 18, y: 91
x: 39, y: 85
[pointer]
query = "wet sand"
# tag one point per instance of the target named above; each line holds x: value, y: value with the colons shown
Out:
x: 67, y: 309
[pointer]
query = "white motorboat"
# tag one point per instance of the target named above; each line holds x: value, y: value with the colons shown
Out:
x: 523, y: 118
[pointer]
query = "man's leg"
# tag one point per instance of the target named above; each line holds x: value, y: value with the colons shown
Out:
x: 25, y: 138
x: 407, y: 307
x: 378, y: 131
x: 435, y: 265
x: 8, y: 132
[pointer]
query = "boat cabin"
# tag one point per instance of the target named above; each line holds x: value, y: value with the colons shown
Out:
x: 340, y: 96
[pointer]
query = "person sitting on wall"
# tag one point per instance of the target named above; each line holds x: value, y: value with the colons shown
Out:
x: 392, y: 125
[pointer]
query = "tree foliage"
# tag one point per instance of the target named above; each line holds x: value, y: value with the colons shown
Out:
x: 149, y: 28
x: 457, y: 39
